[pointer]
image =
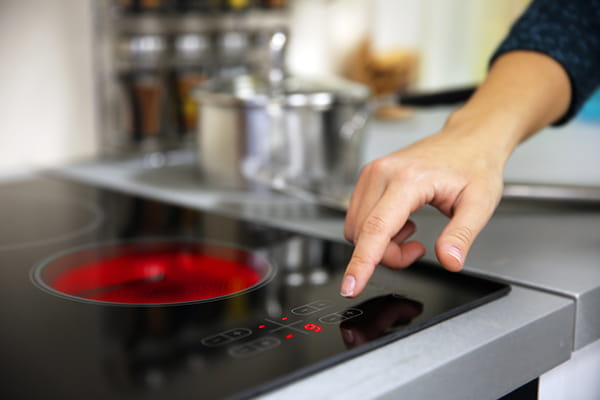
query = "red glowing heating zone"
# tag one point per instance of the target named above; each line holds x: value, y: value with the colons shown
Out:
x: 153, y: 277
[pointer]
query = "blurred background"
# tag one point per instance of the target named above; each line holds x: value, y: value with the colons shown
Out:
x: 81, y: 78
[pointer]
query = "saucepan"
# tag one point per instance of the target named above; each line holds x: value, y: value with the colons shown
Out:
x: 301, y: 136
x: 298, y: 135
x: 309, y: 132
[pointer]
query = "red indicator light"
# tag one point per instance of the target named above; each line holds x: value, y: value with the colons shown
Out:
x: 284, y: 318
x: 289, y: 336
x: 261, y: 326
x: 312, y: 327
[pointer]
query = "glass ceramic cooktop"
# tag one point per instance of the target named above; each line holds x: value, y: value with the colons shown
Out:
x: 148, y: 300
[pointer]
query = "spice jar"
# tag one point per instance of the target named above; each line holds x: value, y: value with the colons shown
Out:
x: 232, y: 51
x: 197, y: 6
x: 192, y: 64
x: 144, y: 126
x: 143, y: 6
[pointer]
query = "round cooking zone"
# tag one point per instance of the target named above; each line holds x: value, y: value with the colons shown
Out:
x: 40, y: 220
x: 152, y: 273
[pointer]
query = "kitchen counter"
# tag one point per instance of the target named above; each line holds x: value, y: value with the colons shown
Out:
x: 548, y: 251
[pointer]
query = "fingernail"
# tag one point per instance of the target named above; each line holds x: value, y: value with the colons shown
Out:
x: 348, y: 285
x: 456, y: 253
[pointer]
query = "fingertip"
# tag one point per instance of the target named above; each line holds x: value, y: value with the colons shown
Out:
x: 355, y: 279
x: 419, y: 250
x: 365, y: 257
x: 348, y: 286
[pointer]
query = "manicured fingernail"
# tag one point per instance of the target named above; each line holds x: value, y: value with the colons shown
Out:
x: 348, y: 284
x: 456, y: 253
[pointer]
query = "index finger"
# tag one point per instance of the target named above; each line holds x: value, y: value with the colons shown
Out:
x: 383, y: 222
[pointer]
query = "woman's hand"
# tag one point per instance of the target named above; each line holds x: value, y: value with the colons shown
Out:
x: 445, y: 170
x: 458, y: 170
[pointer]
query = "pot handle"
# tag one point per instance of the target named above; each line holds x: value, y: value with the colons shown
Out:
x: 430, y: 99
x: 351, y: 133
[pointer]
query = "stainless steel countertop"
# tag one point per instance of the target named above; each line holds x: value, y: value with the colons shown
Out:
x: 567, y: 155
x: 555, y: 250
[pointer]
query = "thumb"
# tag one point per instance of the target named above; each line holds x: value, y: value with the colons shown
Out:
x: 471, y: 215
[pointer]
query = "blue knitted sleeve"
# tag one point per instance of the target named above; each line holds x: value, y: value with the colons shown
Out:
x: 569, y: 32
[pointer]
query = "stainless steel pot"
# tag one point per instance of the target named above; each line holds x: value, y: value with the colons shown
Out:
x: 297, y: 130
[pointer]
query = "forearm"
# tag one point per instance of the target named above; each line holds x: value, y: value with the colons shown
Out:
x: 523, y: 92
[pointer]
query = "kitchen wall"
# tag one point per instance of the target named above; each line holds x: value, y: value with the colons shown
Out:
x: 47, y: 112
x: 453, y: 38
x: 46, y: 86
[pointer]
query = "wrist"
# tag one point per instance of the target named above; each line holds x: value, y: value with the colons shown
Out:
x: 523, y: 92
x: 493, y: 135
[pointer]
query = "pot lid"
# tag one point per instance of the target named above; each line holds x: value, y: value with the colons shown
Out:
x: 249, y: 90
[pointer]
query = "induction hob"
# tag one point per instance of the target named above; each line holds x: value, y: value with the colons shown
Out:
x: 107, y: 295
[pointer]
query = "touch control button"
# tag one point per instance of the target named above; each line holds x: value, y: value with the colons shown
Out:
x: 254, y: 347
x: 216, y: 340
x: 351, y: 313
x: 321, y: 304
x: 311, y: 308
x: 267, y: 342
x: 238, y: 333
x: 223, y: 338
x: 244, y: 350
x: 304, y: 310
x: 334, y: 318
x: 331, y: 319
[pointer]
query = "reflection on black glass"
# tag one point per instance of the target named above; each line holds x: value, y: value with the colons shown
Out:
x: 380, y: 315
x: 151, y: 348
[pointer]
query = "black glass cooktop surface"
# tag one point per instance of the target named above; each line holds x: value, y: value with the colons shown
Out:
x: 106, y: 296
